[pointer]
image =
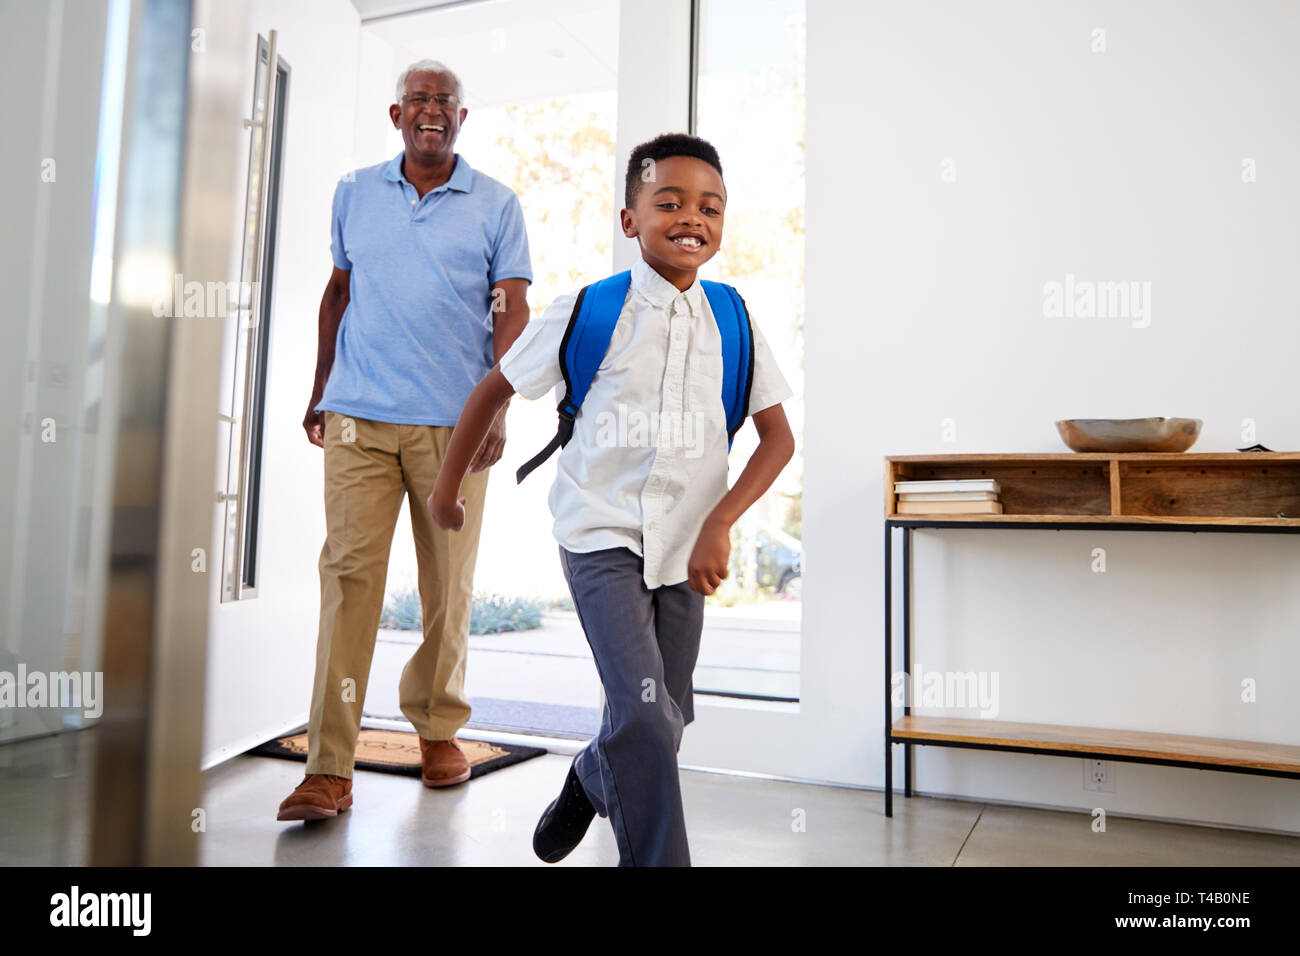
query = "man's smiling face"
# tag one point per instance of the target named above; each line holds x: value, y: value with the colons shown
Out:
x: 677, y: 216
x: 429, y: 116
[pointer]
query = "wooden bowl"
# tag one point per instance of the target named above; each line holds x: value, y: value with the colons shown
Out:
x: 1129, y: 434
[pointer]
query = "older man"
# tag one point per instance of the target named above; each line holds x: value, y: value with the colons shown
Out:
x: 431, y: 271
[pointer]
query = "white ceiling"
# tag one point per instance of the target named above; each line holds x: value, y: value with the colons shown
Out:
x: 378, y: 8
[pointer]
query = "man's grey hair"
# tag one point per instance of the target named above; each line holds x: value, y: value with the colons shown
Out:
x: 428, y: 66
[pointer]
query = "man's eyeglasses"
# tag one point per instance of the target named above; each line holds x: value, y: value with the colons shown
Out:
x: 422, y: 99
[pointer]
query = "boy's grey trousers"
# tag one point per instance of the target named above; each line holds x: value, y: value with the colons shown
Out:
x: 645, y: 643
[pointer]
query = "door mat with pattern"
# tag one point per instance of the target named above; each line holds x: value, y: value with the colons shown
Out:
x: 396, y: 751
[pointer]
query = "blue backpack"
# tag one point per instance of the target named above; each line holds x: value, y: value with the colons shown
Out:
x: 586, y: 340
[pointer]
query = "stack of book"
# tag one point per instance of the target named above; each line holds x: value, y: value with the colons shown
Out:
x: 961, y: 496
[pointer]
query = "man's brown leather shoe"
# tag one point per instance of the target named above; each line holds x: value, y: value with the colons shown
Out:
x: 318, y: 797
x: 442, y: 762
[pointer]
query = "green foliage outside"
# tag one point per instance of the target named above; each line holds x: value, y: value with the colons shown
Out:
x: 492, y: 613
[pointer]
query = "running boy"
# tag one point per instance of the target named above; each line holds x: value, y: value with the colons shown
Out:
x: 640, y: 499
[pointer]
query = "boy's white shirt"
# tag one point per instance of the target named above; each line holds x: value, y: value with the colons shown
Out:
x: 615, y: 485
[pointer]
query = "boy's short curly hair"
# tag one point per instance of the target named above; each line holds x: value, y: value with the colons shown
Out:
x: 665, y: 146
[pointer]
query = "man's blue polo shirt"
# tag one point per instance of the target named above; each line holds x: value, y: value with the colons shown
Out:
x: 416, y: 336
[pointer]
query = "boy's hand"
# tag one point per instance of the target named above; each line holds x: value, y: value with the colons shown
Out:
x: 708, y: 564
x: 448, y: 517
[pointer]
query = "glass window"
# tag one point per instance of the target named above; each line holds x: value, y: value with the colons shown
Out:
x: 749, y: 102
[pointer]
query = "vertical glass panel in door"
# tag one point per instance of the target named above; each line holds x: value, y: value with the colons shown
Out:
x: 749, y: 102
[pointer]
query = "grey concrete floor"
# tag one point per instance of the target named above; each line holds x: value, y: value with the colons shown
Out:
x: 732, y: 821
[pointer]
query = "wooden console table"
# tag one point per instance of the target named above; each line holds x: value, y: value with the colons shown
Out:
x: 1236, y: 491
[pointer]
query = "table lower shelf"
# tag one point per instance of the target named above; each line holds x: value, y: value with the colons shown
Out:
x: 1207, y: 753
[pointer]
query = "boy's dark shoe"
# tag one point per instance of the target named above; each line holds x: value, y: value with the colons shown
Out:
x: 564, y: 822
x: 318, y: 797
x: 441, y: 763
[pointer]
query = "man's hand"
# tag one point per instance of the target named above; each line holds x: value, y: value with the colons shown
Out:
x: 489, y: 453
x: 708, y: 564
x: 314, y: 423
x: 448, y: 517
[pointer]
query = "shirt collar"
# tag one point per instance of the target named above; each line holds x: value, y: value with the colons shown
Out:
x: 462, y: 177
x: 660, y: 291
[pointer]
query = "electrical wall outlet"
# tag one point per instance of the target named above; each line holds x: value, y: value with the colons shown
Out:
x: 1097, y: 776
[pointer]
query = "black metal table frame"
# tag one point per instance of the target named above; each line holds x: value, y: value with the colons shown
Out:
x: 908, y: 525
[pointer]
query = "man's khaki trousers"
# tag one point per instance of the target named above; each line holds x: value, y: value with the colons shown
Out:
x: 369, y: 465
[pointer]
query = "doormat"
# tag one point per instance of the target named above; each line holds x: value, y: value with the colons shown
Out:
x: 397, y: 751
x: 518, y: 716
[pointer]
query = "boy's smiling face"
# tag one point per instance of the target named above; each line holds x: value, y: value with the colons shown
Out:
x: 676, y: 217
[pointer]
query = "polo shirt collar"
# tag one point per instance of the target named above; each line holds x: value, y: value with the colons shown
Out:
x: 660, y: 291
x: 462, y: 177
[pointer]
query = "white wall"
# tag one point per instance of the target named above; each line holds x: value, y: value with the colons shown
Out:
x: 925, y: 302
x: 262, y: 650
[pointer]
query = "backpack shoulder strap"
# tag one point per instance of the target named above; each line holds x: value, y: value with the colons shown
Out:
x: 586, y: 340
x: 732, y: 317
